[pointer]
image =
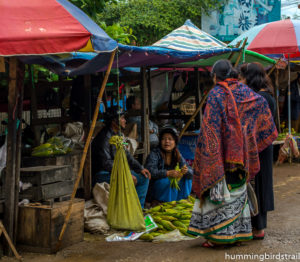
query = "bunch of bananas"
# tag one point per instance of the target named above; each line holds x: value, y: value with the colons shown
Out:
x: 170, y: 216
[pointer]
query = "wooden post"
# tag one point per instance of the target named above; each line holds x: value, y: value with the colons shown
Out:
x: 19, y: 113
x: 145, y: 115
x: 277, y: 102
x: 10, y: 176
x: 2, y: 64
x: 197, y: 97
x: 87, y: 172
x: 33, y: 105
x: 86, y: 146
x: 149, y: 91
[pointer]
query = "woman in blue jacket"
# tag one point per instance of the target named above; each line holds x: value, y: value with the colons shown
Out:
x: 162, y: 162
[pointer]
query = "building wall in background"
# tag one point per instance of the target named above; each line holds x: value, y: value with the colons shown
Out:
x: 239, y: 16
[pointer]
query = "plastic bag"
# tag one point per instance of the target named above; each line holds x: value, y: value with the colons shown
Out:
x: 54, y: 146
x: 124, y: 208
x: 173, y: 236
x: 150, y: 225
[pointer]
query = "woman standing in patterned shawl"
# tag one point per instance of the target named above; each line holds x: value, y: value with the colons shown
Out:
x: 237, y: 125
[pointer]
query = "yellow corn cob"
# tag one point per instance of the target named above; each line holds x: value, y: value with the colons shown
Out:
x: 184, y: 232
x: 147, y: 237
x: 155, y: 209
x: 168, y: 218
x: 168, y: 225
x: 178, y: 224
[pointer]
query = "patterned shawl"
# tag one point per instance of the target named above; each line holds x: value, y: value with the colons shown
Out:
x: 237, y: 125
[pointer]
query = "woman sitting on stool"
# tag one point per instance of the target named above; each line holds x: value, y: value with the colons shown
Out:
x: 162, y: 162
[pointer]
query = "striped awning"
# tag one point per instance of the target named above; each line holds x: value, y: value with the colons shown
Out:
x: 189, y: 37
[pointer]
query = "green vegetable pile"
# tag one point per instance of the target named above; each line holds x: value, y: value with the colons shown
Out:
x: 54, y: 146
x: 170, y: 216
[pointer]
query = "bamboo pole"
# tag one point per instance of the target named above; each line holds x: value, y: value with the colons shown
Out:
x: 195, y: 114
x: 236, y: 46
x: 19, y: 111
x: 273, y: 67
x: 289, y: 95
x: 10, y: 243
x: 197, y: 97
x: 10, y: 177
x: 289, y: 105
x: 276, y: 99
x: 241, y: 52
x: 86, y: 146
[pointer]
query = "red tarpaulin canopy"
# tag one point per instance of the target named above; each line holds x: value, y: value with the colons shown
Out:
x: 30, y: 27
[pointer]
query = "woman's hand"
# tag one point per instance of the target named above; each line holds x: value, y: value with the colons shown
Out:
x: 134, y: 180
x: 174, y: 173
x: 145, y: 172
x: 184, y: 170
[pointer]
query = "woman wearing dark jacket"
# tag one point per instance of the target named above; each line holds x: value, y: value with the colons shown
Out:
x: 254, y: 75
x: 162, y: 162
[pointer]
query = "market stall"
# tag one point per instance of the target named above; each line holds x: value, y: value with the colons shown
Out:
x: 42, y: 34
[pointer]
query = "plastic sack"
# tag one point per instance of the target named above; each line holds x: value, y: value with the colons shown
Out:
x: 124, y: 209
x: 75, y: 132
x: 94, y: 218
x: 173, y: 236
x: 95, y: 210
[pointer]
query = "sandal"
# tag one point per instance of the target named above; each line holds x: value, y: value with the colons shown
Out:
x: 259, y: 237
x: 208, y: 244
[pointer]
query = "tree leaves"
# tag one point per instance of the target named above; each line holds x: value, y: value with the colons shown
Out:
x: 153, y: 19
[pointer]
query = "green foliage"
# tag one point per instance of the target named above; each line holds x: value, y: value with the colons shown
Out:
x: 93, y: 8
x: 90, y: 7
x: 123, y: 34
x: 40, y: 72
x: 153, y: 19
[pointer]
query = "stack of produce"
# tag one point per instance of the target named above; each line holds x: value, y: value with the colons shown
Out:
x: 54, y: 146
x: 170, y: 216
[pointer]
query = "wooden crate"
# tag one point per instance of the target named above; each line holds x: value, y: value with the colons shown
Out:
x: 73, y: 159
x: 39, y: 226
x: 41, y: 175
x: 48, y: 182
x: 49, y: 191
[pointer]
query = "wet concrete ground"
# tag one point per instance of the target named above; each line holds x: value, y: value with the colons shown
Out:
x: 282, y: 236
